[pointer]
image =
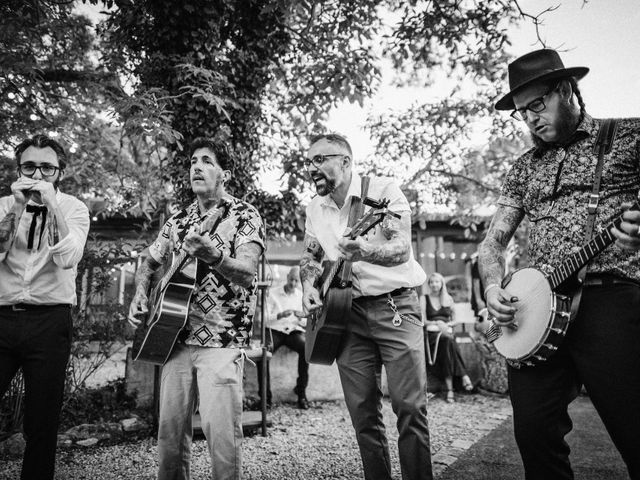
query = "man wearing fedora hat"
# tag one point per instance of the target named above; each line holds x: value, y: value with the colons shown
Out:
x: 553, y: 185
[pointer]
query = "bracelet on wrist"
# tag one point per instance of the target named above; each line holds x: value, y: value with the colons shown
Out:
x: 489, y: 287
x: 216, y: 263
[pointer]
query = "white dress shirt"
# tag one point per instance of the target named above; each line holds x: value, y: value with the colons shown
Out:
x: 279, y: 301
x: 327, y: 223
x: 46, y: 274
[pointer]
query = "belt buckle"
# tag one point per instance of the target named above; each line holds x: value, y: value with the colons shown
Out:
x: 17, y: 308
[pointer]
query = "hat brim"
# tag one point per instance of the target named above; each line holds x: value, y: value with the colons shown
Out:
x: 506, y: 102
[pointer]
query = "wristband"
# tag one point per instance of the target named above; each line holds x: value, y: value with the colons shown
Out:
x: 218, y: 262
x: 489, y: 287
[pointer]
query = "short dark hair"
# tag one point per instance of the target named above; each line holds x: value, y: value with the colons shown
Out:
x: 332, y: 138
x: 41, y: 141
x: 221, y: 151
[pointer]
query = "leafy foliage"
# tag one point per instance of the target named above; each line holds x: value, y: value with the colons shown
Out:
x: 260, y: 75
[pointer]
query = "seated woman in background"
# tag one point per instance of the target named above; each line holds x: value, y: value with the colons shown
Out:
x: 443, y: 356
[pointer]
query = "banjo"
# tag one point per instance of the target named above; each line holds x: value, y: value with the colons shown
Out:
x: 543, y: 315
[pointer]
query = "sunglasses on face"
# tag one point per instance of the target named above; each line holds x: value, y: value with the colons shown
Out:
x: 29, y: 169
x: 536, y: 106
x: 318, y: 160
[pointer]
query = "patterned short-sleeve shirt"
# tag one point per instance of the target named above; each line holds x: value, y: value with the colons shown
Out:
x: 221, y: 312
x: 558, y: 218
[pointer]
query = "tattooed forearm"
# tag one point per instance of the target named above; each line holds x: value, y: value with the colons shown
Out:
x: 491, y: 251
x: 145, y: 273
x: 310, y: 267
x: 242, y: 268
x: 397, y: 248
x: 7, y: 231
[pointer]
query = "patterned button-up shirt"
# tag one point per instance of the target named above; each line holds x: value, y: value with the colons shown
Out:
x: 558, y: 219
x: 220, y: 312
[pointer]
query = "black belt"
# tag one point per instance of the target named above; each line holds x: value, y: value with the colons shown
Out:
x: 23, y: 307
x: 605, y: 280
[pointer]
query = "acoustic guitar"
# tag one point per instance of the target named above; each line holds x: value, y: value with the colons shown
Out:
x: 326, y: 325
x: 169, y: 305
x: 543, y: 315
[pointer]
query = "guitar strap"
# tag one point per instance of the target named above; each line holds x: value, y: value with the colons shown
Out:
x: 356, y: 211
x: 357, y: 206
x: 602, y: 146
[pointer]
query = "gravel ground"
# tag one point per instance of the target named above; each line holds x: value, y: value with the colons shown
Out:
x: 315, y: 444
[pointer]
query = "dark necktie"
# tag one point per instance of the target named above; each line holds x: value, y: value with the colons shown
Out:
x: 36, y: 210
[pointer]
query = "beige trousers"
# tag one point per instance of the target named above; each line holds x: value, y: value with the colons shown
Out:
x: 214, y: 376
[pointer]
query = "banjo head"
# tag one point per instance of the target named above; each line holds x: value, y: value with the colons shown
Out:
x: 535, y: 305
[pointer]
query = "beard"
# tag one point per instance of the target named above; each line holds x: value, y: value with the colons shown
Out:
x: 328, y: 187
x: 565, y: 128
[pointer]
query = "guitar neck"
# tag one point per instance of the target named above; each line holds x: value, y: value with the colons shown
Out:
x: 579, y: 259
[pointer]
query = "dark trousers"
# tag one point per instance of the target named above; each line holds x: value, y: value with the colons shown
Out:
x: 39, y: 341
x: 601, y: 351
x: 448, y: 361
x: 295, y: 341
x: 372, y: 340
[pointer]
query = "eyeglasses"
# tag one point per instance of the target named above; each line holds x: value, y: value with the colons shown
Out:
x: 318, y: 160
x: 46, y: 170
x: 536, y: 106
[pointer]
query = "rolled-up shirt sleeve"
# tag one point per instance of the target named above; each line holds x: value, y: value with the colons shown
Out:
x: 68, y: 251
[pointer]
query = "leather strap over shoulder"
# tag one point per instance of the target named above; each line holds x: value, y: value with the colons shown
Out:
x: 606, y: 135
x: 604, y: 142
x: 357, y: 206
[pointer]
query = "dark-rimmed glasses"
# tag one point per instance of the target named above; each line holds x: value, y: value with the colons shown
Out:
x: 536, y: 106
x: 318, y: 160
x: 29, y: 169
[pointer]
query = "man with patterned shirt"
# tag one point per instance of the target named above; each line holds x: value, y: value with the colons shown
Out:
x: 207, y: 361
x: 551, y: 185
x: 385, y: 325
x: 42, y: 237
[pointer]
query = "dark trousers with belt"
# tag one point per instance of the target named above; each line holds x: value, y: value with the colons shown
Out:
x: 373, y: 340
x: 39, y: 342
x: 601, y: 351
x: 295, y: 341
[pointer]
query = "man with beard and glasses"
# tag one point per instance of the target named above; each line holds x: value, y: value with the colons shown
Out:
x: 42, y: 236
x: 385, y: 325
x: 552, y: 185
x: 226, y: 236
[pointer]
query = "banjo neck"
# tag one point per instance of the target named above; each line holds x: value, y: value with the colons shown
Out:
x: 579, y: 259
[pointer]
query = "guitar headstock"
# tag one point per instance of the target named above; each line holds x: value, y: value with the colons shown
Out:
x: 372, y: 218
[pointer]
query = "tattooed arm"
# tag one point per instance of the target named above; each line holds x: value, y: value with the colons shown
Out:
x: 9, y: 227
x: 242, y: 269
x: 491, y: 261
x: 395, y: 251
x: 310, y: 271
x: 143, y: 280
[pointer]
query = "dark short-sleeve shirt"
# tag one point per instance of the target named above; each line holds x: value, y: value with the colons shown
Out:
x: 221, y: 312
x: 558, y: 219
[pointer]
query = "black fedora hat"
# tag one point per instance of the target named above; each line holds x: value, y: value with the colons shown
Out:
x: 536, y: 66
